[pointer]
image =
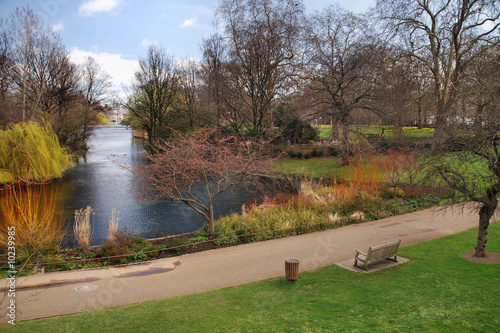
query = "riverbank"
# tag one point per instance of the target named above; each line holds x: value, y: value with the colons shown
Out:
x: 194, y: 273
x: 127, y: 248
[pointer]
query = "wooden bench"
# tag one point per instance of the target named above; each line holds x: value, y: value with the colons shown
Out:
x: 379, y: 252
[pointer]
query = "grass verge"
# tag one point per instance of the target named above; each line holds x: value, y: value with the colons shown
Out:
x: 437, y: 291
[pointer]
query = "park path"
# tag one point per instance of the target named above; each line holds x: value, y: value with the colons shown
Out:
x: 59, y: 293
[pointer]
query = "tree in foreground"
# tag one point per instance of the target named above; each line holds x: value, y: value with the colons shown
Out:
x: 179, y: 167
x: 474, y: 171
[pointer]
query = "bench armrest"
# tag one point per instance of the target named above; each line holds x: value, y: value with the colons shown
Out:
x: 360, y: 252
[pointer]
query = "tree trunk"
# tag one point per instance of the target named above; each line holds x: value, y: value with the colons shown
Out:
x: 346, y: 145
x: 485, y: 214
x: 211, y: 228
x: 335, y: 127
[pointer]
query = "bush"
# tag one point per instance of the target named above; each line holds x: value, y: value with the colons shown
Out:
x: 32, y: 211
x: 317, y: 153
x: 298, y: 131
x: 334, y: 151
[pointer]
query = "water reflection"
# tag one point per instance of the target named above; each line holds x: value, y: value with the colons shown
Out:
x: 101, y: 183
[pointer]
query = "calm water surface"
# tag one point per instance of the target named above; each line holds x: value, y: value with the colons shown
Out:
x: 101, y: 183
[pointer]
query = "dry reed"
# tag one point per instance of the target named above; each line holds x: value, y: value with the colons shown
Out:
x: 82, y: 228
x: 113, y: 226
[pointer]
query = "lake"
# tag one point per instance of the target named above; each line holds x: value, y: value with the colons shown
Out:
x: 100, y: 182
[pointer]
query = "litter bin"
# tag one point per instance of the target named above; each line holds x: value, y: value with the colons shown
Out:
x: 292, y: 269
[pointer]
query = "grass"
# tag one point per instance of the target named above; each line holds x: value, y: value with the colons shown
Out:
x: 389, y: 131
x: 437, y: 291
x: 319, y: 167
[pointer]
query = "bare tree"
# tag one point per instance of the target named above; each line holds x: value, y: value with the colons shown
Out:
x: 154, y: 92
x: 194, y: 169
x: 43, y: 84
x: 213, y: 65
x: 95, y: 83
x: 38, y: 60
x: 338, y: 66
x: 189, y: 90
x: 262, y: 38
x: 479, y: 181
x: 5, y: 75
x: 479, y: 94
x: 445, y: 36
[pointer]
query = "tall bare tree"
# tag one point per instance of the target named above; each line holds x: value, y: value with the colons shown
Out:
x: 339, y: 65
x: 445, y: 36
x: 213, y: 65
x: 262, y: 36
x: 44, y: 85
x: 154, y: 92
x: 188, y: 73
x: 33, y: 48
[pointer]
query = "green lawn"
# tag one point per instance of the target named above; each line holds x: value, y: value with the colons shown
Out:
x: 437, y: 291
x: 389, y: 131
x: 318, y: 167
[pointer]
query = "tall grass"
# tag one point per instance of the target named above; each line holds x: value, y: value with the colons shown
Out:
x: 317, y: 207
x: 82, y: 229
x: 32, y: 211
x: 29, y: 152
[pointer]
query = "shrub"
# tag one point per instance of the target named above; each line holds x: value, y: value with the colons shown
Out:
x: 32, y: 211
x: 177, y: 244
x: 317, y: 153
x: 334, y: 151
x: 296, y: 130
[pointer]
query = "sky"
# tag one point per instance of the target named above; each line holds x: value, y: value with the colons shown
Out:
x: 117, y: 32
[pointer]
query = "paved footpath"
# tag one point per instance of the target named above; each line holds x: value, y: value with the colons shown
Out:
x: 60, y: 293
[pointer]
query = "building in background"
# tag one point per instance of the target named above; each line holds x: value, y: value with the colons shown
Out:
x: 116, y: 113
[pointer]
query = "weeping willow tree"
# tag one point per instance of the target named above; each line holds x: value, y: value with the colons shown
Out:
x: 31, y: 153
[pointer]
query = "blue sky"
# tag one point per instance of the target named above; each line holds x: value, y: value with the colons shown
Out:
x: 117, y: 32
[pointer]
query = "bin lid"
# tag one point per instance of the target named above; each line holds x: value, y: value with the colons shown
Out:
x: 292, y: 260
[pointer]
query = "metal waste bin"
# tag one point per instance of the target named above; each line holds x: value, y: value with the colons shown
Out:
x: 292, y: 269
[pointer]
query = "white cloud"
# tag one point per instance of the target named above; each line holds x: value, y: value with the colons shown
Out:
x: 145, y: 42
x: 121, y: 70
x: 58, y: 27
x: 189, y: 22
x: 93, y: 7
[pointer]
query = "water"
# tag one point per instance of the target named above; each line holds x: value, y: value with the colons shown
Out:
x: 102, y: 183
